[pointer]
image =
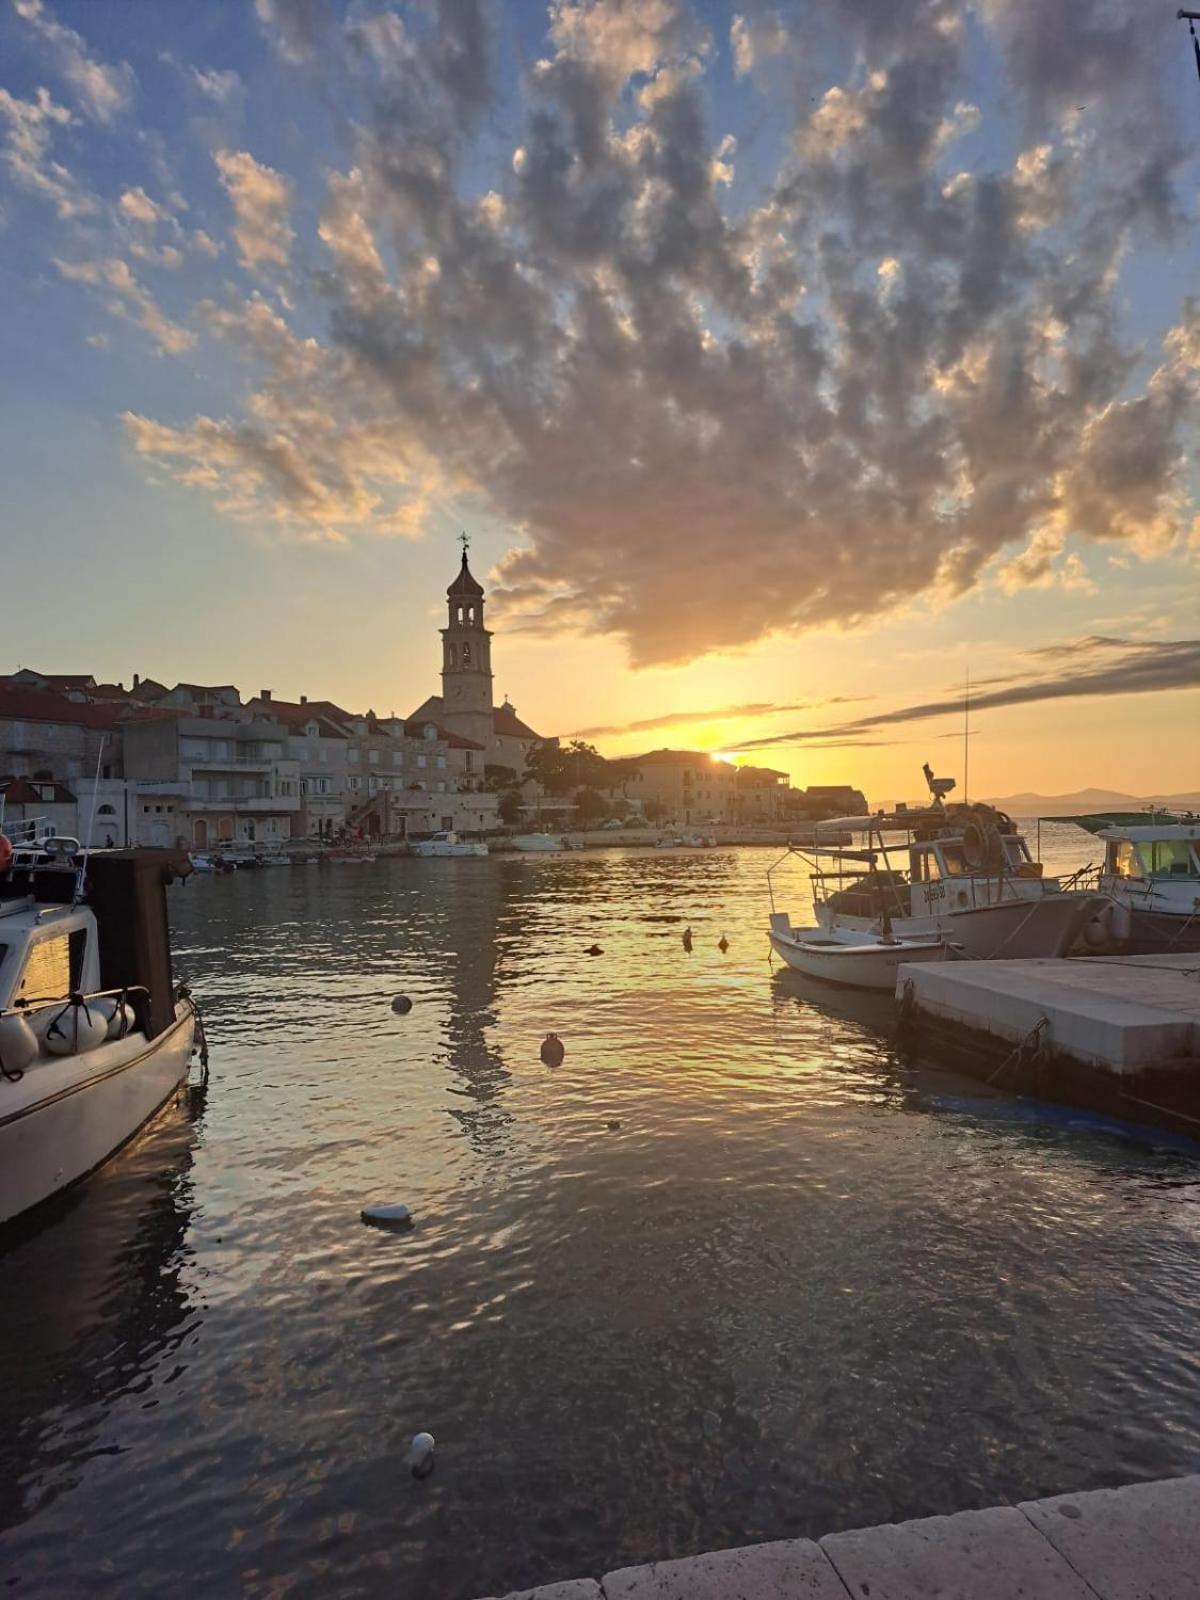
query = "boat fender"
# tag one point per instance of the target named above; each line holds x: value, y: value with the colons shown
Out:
x: 1098, y: 930
x: 76, y: 1028
x: 420, y: 1454
x: 553, y: 1050
x: 6, y: 852
x: 18, y: 1047
x: 387, y: 1216
x: 118, y: 1013
x: 960, y: 899
x: 402, y: 1005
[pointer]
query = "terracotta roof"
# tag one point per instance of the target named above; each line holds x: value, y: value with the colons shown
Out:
x: 63, y: 680
x: 40, y: 705
x: 454, y: 740
x: 465, y: 583
x: 291, y: 711
x: 23, y: 791
x: 208, y: 688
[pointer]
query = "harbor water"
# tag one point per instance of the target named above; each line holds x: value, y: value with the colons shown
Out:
x: 738, y: 1269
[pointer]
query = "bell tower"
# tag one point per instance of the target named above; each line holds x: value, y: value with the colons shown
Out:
x: 467, y: 660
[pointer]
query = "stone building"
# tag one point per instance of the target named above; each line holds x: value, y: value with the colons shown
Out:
x: 691, y: 787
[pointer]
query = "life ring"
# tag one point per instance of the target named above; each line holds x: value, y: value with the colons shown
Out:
x: 6, y: 852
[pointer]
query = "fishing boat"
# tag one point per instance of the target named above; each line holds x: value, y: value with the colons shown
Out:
x: 854, y: 960
x: 958, y: 872
x: 449, y: 844
x: 94, y: 1034
x: 1150, y: 878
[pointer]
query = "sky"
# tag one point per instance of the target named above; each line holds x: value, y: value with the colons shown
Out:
x: 788, y: 366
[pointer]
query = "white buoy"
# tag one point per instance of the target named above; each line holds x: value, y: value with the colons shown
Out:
x: 401, y: 1005
x: 387, y: 1216
x: 420, y: 1454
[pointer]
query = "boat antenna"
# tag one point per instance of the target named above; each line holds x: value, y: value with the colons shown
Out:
x: 81, y: 874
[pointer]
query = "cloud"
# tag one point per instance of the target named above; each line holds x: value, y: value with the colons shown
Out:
x: 709, y: 411
x: 29, y: 130
x: 261, y: 202
x: 103, y: 90
x: 131, y: 301
x: 755, y: 38
x: 1106, y: 667
x: 218, y: 85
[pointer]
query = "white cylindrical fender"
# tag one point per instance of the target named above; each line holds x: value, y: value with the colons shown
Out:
x: 18, y: 1043
x: 74, y: 1029
x: 121, y: 1019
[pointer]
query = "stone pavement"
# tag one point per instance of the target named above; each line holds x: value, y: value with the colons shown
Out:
x: 1137, y: 1543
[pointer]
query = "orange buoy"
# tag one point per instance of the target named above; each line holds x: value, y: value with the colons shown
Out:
x: 553, y: 1050
x: 6, y: 852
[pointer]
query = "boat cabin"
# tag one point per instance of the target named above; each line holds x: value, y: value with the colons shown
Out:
x: 1168, y: 852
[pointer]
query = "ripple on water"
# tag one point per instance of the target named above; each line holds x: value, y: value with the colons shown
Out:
x: 806, y: 1284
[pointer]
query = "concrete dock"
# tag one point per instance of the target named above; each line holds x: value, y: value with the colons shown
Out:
x: 1135, y: 1543
x: 1118, y: 1034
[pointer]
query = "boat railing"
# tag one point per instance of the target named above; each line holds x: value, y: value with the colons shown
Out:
x: 27, y: 1005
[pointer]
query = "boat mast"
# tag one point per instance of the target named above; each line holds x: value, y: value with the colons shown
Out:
x: 967, y: 737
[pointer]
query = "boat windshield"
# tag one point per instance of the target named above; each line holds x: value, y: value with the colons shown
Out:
x: 1160, y: 858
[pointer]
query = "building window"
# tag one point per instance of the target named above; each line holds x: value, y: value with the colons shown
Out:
x: 352, y: 757
x: 441, y: 762
x: 373, y: 757
x: 466, y: 655
x: 421, y: 761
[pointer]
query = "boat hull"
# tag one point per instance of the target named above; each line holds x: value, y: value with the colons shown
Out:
x: 869, y: 965
x: 536, y: 844
x: 69, y: 1114
x: 1010, y: 929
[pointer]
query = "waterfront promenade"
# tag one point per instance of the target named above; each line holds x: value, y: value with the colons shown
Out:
x: 1136, y: 1543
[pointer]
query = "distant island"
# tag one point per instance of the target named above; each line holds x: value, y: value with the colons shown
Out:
x: 1085, y: 800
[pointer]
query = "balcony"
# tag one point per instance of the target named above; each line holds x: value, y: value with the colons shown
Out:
x: 248, y: 805
x: 231, y: 763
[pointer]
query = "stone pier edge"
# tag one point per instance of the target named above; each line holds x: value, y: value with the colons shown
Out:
x: 1131, y: 1543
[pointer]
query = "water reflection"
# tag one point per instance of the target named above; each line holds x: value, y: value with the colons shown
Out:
x: 95, y: 1306
x: 805, y: 1282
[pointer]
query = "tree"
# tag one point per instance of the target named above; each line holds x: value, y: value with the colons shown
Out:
x: 590, y: 806
x: 561, y: 768
x: 510, y: 807
x: 497, y: 777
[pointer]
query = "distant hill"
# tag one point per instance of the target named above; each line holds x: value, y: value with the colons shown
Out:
x: 1085, y: 800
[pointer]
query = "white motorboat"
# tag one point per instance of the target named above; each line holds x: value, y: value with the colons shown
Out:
x: 536, y: 843
x: 449, y: 844
x: 94, y: 1036
x: 959, y: 872
x: 1151, y: 879
x: 855, y: 960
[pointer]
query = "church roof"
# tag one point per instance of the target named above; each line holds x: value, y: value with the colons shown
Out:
x: 465, y: 583
x: 506, y: 721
